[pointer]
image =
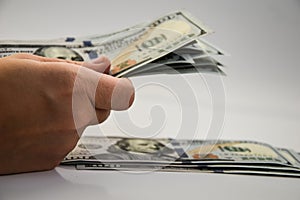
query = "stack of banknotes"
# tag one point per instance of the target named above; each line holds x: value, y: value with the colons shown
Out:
x: 215, y: 156
x: 170, y: 44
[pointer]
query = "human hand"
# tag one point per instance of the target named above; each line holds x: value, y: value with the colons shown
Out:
x: 47, y: 103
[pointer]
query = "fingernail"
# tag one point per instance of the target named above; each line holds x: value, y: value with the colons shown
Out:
x: 102, y: 61
x: 107, y: 69
x: 98, y: 60
x: 131, y: 100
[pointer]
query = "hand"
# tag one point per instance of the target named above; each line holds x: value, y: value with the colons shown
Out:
x: 47, y: 103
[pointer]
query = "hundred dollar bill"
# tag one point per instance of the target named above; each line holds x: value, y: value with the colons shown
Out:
x: 128, y: 49
x: 170, y: 150
x: 226, y: 169
x: 291, y: 156
x: 237, y: 151
x: 147, y: 42
x: 200, y: 46
x: 159, y: 38
x: 200, y: 65
x: 233, y: 157
x: 180, y: 62
x: 116, y: 149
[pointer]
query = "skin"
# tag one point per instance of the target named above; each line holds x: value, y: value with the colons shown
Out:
x: 39, y: 121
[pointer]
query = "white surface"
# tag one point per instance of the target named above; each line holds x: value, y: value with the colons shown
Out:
x: 262, y: 94
x: 64, y: 183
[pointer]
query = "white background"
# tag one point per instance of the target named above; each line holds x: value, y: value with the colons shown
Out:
x: 261, y: 88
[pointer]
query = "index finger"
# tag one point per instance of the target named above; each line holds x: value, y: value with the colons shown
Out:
x: 100, y: 64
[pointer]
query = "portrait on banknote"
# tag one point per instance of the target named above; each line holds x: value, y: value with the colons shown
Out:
x: 58, y: 52
x: 115, y: 148
x: 139, y: 149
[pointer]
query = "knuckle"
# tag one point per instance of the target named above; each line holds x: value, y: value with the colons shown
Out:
x: 60, y: 86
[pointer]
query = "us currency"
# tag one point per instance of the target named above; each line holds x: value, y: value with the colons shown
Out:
x: 128, y: 49
x: 238, y: 151
x: 195, y: 151
x: 178, y: 68
x: 158, y: 38
x: 177, y: 63
x: 116, y: 149
x: 233, y: 157
x: 291, y: 156
x: 234, y: 169
x: 202, y: 46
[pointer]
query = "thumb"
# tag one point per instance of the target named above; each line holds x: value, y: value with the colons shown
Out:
x: 100, y: 64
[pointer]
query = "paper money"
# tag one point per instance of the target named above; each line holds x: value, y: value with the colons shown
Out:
x: 122, y: 149
x: 238, y: 151
x: 160, y: 37
x: 242, y: 157
x: 291, y: 156
x: 132, y: 48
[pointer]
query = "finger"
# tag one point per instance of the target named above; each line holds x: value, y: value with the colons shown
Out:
x: 42, y: 59
x: 114, y: 93
x: 102, y: 115
x: 100, y: 64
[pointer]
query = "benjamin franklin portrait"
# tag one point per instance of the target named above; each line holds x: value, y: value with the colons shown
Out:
x: 58, y: 52
x: 138, y: 149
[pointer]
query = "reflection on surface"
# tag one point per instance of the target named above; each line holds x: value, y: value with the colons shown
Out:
x: 47, y: 185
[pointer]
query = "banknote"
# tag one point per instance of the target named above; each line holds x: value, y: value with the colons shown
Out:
x: 291, y: 156
x: 174, y: 63
x: 160, y: 37
x: 217, y: 156
x: 194, y: 62
x: 144, y: 43
x: 234, y: 169
x: 238, y: 151
x: 129, y: 48
x: 170, y: 70
x: 187, y: 151
x: 94, y: 149
x: 201, y: 45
